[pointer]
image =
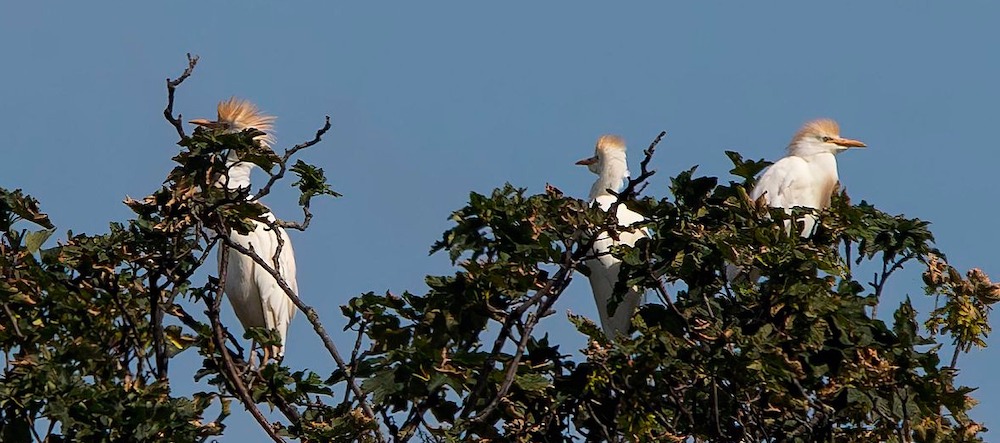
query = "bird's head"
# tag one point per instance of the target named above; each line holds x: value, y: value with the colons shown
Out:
x: 237, y: 115
x: 607, y: 145
x: 821, y: 136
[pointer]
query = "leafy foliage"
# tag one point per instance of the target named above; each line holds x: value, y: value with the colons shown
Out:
x: 791, y: 350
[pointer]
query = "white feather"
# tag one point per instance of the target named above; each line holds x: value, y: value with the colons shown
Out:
x: 806, y: 177
x: 604, y: 270
x: 257, y: 298
x: 611, y: 166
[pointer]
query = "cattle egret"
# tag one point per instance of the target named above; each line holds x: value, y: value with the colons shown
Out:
x: 612, y: 169
x: 257, y: 299
x: 807, y: 175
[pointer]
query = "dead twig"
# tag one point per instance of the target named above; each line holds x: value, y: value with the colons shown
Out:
x: 172, y: 85
x: 283, y: 164
x: 313, y: 317
x: 231, y: 373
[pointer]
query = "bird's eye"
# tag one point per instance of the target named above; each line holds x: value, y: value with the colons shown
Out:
x: 826, y: 139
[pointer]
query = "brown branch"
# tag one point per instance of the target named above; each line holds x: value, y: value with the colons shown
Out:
x: 231, y: 374
x: 307, y: 217
x: 954, y: 356
x: 156, y: 326
x: 544, y: 298
x: 630, y: 190
x: 172, y: 85
x: 179, y: 313
x: 879, y: 284
x: 354, y: 354
x: 13, y: 321
x: 141, y: 356
x: 287, y: 409
x: 553, y: 288
x: 283, y: 164
x: 604, y: 429
x: 313, y: 317
x: 662, y: 291
x: 282, y: 168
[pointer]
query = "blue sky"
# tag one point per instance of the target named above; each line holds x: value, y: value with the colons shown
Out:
x: 430, y: 102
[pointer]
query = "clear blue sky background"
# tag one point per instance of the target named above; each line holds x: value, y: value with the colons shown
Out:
x: 429, y: 102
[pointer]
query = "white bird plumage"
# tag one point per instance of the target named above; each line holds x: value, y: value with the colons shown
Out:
x: 807, y: 175
x: 610, y: 165
x: 256, y: 297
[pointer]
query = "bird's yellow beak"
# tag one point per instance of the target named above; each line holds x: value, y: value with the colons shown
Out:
x: 587, y: 161
x: 202, y: 122
x: 848, y: 143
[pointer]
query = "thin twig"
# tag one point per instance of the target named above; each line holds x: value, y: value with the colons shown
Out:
x: 630, y: 190
x: 354, y: 354
x: 156, y: 325
x: 13, y: 321
x: 604, y: 429
x: 878, y: 284
x: 563, y: 274
x: 954, y: 356
x: 313, y: 317
x: 266, y: 189
x: 231, y: 374
x: 31, y: 425
x: 283, y: 164
x: 168, y: 113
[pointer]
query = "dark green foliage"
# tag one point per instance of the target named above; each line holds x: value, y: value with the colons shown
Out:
x: 312, y: 182
x: 789, y: 351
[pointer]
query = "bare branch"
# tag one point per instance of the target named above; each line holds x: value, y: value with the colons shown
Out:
x: 282, y: 168
x: 231, y: 373
x: 172, y: 85
x: 13, y: 321
x: 307, y: 217
x: 156, y: 325
x: 630, y: 190
x: 283, y: 164
x: 313, y: 317
x: 543, y: 298
x: 552, y: 289
x: 878, y: 284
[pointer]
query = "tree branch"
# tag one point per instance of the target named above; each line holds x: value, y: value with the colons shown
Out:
x: 172, y: 85
x: 631, y: 190
x: 156, y: 325
x: 231, y: 374
x: 283, y: 164
x: 313, y: 317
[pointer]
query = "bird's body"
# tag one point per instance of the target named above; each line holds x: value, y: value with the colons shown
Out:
x: 611, y: 166
x: 256, y: 296
x: 257, y: 299
x: 807, y: 176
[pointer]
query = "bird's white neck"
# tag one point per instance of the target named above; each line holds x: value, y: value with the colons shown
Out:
x: 613, y: 171
x: 239, y: 173
x: 824, y: 160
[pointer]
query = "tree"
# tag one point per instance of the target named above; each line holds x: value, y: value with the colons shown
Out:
x: 793, y: 353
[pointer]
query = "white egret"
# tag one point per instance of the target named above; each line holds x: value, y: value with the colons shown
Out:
x: 254, y: 293
x: 807, y: 175
x: 611, y: 167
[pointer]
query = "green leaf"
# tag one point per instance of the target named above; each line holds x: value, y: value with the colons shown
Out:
x: 311, y: 182
x: 532, y: 382
x: 34, y: 240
